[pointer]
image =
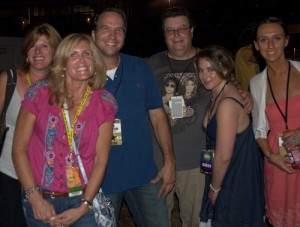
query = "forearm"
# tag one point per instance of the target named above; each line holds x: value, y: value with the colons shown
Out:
x: 220, y: 167
x: 20, y: 157
x: 163, y: 137
x: 94, y: 182
x: 264, y: 147
x: 100, y: 162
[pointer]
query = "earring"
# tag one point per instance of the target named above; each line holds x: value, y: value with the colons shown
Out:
x: 62, y: 75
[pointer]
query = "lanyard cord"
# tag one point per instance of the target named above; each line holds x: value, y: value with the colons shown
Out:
x: 186, y: 68
x: 284, y: 116
x: 27, y: 77
x: 66, y: 117
x: 212, y: 107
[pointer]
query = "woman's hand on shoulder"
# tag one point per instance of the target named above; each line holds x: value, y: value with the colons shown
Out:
x: 247, y: 100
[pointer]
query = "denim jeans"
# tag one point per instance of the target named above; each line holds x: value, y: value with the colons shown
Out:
x: 60, y: 205
x: 147, y: 209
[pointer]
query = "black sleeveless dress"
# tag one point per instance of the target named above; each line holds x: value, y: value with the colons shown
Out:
x: 240, y: 202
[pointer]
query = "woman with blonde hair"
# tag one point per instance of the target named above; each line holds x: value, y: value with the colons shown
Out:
x: 68, y: 113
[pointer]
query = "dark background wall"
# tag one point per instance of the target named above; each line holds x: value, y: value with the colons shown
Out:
x: 218, y: 21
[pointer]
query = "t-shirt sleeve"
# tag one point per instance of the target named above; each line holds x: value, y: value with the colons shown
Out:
x: 153, y: 97
x: 108, y: 105
x: 35, y: 97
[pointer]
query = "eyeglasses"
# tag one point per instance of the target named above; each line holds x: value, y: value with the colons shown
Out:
x: 173, y: 31
x: 170, y: 85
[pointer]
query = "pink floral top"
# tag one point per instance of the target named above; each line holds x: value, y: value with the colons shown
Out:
x: 48, y: 148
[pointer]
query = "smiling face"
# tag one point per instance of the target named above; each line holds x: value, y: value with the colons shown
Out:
x: 178, y: 34
x: 271, y: 41
x: 80, y: 65
x: 40, y: 55
x: 207, y: 74
x: 109, y: 34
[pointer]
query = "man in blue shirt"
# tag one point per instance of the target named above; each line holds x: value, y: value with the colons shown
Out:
x: 131, y: 173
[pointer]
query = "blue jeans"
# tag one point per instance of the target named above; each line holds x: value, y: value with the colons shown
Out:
x: 60, y: 205
x: 147, y: 209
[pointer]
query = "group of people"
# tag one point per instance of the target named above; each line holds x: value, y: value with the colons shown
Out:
x: 139, y: 126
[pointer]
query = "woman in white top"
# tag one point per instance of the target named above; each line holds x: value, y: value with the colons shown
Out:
x: 276, y: 95
x: 38, y: 49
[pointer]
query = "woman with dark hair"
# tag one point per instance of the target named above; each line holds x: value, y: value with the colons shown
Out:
x: 233, y: 193
x: 276, y: 122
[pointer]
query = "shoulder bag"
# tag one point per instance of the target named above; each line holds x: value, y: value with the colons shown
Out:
x: 10, y: 87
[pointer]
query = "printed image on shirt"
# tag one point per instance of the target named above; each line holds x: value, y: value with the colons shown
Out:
x: 176, y: 84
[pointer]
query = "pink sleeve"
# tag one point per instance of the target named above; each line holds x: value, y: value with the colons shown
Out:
x: 36, y: 97
x: 108, y: 105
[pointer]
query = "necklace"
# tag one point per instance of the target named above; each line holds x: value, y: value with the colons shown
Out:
x: 214, y: 102
x: 284, y: 116
x: 27, y: 77
x: 184, y: 71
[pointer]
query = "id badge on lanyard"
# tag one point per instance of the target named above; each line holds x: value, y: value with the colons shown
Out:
x: 177, y: 106
x: 117, y: 132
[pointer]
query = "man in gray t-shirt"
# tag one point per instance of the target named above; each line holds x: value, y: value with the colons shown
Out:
x: 185, y: 102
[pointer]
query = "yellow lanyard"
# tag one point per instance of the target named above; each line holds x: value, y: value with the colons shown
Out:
x: 65, y: 112
x: 28, y: 79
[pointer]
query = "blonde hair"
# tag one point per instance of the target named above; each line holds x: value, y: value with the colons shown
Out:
x: 60, y: 60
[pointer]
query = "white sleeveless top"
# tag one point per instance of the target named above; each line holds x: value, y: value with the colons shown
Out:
x: 6, y: 164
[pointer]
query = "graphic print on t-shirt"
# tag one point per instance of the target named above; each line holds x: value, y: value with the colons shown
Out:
x: 176, y: 84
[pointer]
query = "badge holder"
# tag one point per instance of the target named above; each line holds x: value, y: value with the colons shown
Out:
x: 73, y: 181
x: 117, y: 132
x: 206, y: 160
x: 177, y: 106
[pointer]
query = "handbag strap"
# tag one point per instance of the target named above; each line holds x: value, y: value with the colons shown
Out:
x: 10, y: 87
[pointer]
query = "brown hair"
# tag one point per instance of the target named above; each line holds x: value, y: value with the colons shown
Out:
x: 34, y: 34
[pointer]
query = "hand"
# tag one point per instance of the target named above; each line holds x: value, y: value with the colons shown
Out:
x: 69, y: 217
x: 42, y: 209
x: 283, y: 163
x: 247, y: 100
x: 291, y: 138
x: 168, y: 176
x: 213, y: 196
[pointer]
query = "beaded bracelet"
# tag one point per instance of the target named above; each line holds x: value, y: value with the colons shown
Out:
x: 213, y: 189
x: 31, y: 190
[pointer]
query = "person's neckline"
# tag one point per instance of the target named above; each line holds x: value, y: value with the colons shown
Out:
x: 191, y: 54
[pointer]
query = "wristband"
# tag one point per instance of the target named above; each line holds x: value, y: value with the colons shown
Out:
x: 31, y: 190
x: 213, y: 189
x: 88, y: 203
